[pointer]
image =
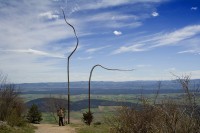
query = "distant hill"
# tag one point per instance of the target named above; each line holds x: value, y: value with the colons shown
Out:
x: 45, y: 104
x: 104, y: 87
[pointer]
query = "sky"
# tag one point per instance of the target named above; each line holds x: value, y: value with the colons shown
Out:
x: 154, y: 37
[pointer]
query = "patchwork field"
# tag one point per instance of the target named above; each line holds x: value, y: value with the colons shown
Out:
x: 102, y: 105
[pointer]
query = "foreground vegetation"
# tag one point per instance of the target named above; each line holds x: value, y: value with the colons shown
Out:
x: 166, y: 116
x: 22, y: 129
x: 158, y: 113
x: 93, y: 129
x: 12, y: 109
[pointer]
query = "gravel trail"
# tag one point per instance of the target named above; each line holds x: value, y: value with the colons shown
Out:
x: 52, y: 128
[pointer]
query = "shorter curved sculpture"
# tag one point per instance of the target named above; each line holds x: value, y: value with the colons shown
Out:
x: 98, y: 65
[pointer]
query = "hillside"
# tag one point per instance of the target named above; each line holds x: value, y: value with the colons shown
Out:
x: 43, y: 103
x: 101, y: 87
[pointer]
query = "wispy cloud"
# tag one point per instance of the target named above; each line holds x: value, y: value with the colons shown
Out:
x: 133, y: 48
x: 186, y: 51
x: 117, y: 33
x: 92, y: 50
x: 111, y: 16
x: 113, y: 20
x: 34, y: 33
x: 160, y: 40
x: 143, y: 65
x: 104, y: 4
x: 85, y: 58
x: 177, y: 36
x: 34, y: 52
x: 110, y: 3
x: 49, y: 15
x: 189, y: 51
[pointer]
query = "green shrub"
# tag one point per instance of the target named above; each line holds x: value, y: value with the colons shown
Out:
x: 34, y: 115
x: 5, y: 129
x: 87, y: 118
x: 9, y: 129
x: 14, y: 119
x: 97, y: 123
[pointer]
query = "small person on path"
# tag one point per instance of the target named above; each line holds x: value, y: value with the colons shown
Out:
x: 60, y: 114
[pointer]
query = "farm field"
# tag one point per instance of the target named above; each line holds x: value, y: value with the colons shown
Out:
x: 102, y: 110
x: 120, y: 97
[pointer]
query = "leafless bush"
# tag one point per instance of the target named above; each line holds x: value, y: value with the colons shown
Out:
x: 169, y: 116
x: 53, y: 104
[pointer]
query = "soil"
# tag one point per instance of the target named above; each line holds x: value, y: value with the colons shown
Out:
x: 52, y: 128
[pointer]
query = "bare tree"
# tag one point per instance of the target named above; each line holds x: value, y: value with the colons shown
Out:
x: 169, y: 116
x: 11, y: 105
x: 157, y: 92
x: 68, y: 59
x: 53, y: 104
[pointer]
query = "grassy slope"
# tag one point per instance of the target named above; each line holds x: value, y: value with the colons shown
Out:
x: 93, y: 129
x: 25, y: 129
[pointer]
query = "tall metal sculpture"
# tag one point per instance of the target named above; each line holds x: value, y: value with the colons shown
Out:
x: 68, y: 59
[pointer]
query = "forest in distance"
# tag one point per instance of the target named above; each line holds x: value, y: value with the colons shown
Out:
x: 105, y: 87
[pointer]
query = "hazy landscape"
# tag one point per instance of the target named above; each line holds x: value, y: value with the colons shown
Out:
x: 104, y: 87
x: 99, y: 66
x: 102, y: 93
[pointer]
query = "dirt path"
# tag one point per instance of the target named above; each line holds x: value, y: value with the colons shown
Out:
x: 51, y: 128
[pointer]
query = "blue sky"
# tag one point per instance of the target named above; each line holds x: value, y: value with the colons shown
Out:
x: 156, y: 37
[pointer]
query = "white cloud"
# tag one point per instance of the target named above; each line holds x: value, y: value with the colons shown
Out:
x: 85, y: 58
x: 161, y: 39
x: 133, y: 48
x: 113, y: 20
x: 143, y: 65
x: 109, y: 3
x: 155, y: 14
x: 123, y: 24
x: 49, y: 15
x: 190, y: 51
x: 34, y: 52
x: 117, y: 33
x: 104, y: 4
x: 38, y: 34
x: 32, y: 46
x: 186, y: 51
x: 25, y: 67
x: 116, y: 19
x: 111, y: 16
x: 92, y: 50
x: 178, y: 35
x: 27, y: 26
x: 194, y: 8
